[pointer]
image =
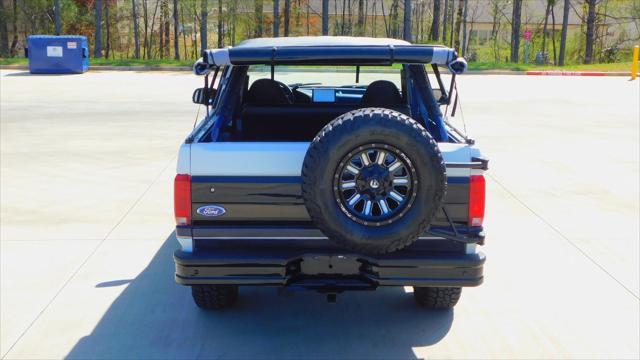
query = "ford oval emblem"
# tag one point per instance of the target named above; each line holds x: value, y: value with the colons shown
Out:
x: 211, y: 210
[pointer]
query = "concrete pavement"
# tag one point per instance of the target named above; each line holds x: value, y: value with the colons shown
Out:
x: 87, y: 163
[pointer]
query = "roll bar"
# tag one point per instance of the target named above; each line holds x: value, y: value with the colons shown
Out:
x: 331, y: 55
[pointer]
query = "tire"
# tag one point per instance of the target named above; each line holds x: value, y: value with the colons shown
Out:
x: 437, y: 298
x: 399, y: 139
x: 214, y: 297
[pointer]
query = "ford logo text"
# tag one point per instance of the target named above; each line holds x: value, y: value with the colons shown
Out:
x: 211, y: 210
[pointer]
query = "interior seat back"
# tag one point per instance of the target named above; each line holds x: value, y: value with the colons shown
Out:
x: 293, y: 122
x: 267, y: 91
x: 382, y: 93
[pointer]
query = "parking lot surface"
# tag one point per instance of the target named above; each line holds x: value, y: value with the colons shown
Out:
x: 86, y: 239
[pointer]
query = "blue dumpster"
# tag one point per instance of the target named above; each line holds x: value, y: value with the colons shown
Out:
x: 48, y: 54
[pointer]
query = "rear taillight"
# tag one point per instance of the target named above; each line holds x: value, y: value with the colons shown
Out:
x: 182, y: 199
x: 476, y: 200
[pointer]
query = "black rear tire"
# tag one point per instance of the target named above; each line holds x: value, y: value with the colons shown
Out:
x: 400, y: 139
x: 214, y: 297
x: 438, y: 298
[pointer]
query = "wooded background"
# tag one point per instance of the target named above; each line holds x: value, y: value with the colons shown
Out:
x: 563, y: 31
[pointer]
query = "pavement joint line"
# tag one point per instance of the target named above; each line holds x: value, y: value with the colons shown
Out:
x: 95, y: 249
x: 554, y: 229
x: 43, y: 240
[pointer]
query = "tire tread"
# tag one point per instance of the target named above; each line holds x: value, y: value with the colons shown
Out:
x: 214, y: 297
x: 346, y: 123
x: 437, y: 297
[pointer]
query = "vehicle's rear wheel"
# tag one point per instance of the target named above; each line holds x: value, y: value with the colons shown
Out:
x: 437, y: 297
x: 214, y: 297
x: 373, y: 180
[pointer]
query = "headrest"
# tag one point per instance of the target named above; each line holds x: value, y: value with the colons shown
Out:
x: 382, y: 92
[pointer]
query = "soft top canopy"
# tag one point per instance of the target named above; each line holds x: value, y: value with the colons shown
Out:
x: 329, y: 50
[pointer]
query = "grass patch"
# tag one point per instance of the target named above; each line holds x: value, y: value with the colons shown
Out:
x: 475, y: 66
x: 481, y: 65
x: 112, y: 62
x: 621, y: 66
x: 13, y: 61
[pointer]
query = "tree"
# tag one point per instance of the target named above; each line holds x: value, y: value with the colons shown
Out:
x: 276, y: 18
x: 220, y: 25
x: 394, y: 19
x: 515, y: 30
x: 563, y: 36
x: 452, y: 7
x: 233, y: 17
x: 591, y: 30
x: 107, y: 25
x: 342, y: 22
x: 465, y: 41
x: 325, y: 17
x: 308, y: 10
x: 287, y: 16
x: 203, y: 25
x: 258, y: 15
x: 14, y: 41
x: 56, y: 13
x: 153, y: 21
x: 473, y: 15
x: 136, y: 36
x: 176, y: 31
x: 456, y: 32
x: 97, y: 51
x: 360, y: 22
x: 374, y: 25
x: 435, y: 24
x: 145, y: 20
x: 184, y: 32
x: 553, y: 30
x: 407, y: 20
x: 444, y: 21
x: 166, y: 27
x: 544, y: 28
x: 4, y: 32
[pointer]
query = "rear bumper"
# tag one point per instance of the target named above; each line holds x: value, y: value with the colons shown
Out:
x: 327, y: 269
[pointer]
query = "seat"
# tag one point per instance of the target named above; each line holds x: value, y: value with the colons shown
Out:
x: 382, y: 93
x: 268, y: 92
x: 269, y: 115
x: 295, y: 122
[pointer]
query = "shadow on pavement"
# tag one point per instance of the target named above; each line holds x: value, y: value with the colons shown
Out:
x: 27, y: 73
x: 156, y: 318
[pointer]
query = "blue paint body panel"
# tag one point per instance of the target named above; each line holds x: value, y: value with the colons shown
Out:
x: 67, y: 54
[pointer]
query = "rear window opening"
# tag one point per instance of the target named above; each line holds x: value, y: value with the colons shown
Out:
x: 293, y: 103
x: 297, y: 102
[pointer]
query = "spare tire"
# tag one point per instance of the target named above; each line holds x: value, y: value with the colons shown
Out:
x: 373, y: 180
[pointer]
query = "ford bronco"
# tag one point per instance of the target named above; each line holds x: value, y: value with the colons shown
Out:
x: 326, y: 163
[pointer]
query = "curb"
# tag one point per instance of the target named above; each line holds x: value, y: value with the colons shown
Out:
x: 576, y: 73
x: 112, y: 68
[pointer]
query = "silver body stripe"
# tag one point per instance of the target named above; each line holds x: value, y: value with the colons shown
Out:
x: 278, y: 158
